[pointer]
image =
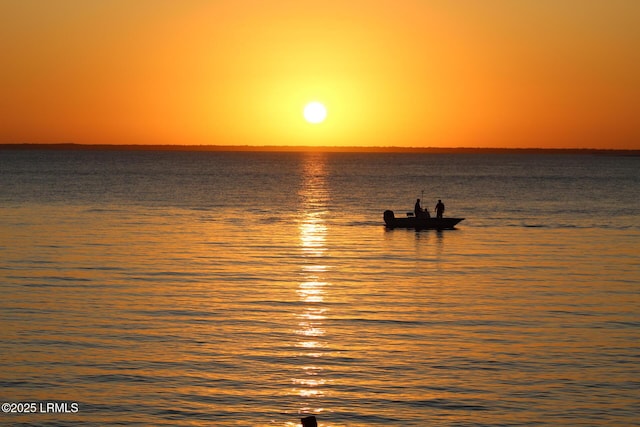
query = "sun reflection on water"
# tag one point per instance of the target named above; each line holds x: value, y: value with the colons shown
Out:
x: 312, y: 289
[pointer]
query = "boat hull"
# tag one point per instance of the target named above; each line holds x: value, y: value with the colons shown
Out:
x: 391, y: 221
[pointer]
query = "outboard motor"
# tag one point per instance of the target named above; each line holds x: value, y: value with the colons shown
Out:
x: 389, y: 218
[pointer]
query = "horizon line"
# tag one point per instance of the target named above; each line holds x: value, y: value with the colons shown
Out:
x: 303, y: 148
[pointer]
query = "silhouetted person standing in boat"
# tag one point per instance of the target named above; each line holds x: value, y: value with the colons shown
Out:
x: 439, y: 209
x: 417, y: 210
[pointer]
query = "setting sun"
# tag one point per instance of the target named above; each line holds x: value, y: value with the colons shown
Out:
x: 315, y: 112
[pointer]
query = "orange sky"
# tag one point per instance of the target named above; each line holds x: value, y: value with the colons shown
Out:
x: 491, y: 73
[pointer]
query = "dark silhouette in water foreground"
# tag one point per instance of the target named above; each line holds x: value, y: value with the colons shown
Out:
x: 309, y: 421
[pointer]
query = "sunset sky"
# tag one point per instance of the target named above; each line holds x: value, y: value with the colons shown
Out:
x: 491, y: 73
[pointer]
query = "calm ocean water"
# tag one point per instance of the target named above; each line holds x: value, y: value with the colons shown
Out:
x: 251, y: 289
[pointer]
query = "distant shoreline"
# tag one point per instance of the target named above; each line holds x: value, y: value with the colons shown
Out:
x: 331, y: 149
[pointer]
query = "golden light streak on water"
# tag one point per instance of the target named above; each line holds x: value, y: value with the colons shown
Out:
x: 312, y: 289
